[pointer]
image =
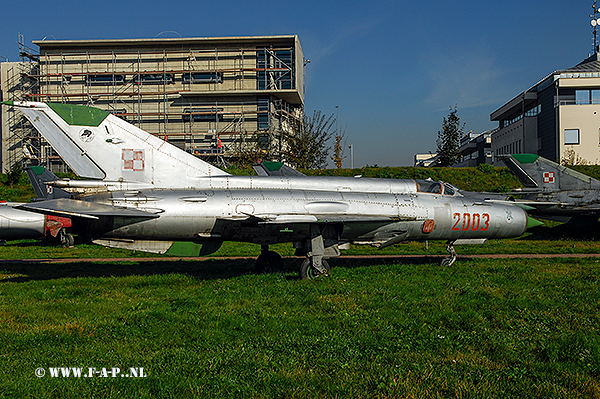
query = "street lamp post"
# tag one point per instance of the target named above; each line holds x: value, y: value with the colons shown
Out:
x: 351, y: 146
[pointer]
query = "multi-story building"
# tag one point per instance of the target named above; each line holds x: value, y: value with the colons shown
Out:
x: 213, y: 97
x: 475, y: 149
x: 557, y: 118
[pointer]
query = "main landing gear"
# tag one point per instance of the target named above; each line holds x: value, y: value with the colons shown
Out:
x: 315, y: 265
x: 66, y: 238
x: 309, y: 268
x: 268, y: 261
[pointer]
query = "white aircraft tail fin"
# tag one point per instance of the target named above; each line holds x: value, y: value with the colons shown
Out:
x: 99, y: 145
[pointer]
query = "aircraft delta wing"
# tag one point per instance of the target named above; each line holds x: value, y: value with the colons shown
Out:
x: 552, y: 190
x: 170, y: 202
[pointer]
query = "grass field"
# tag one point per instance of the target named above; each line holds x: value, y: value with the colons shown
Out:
x: 482, y: 328
x: 378, y: 328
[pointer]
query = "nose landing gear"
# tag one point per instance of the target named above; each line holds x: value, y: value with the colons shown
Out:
x: 449, y: 261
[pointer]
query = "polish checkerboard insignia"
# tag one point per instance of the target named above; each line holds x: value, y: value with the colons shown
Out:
x: 133, y: 160
x: 548, y: 177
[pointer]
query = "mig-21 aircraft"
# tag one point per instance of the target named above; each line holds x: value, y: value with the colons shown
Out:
x: 553, y: 191
x: 146, y: 194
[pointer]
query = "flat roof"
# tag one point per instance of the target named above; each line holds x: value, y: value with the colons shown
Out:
x: 589, y: 66
x: 146, y: 42
x: 513, y: 105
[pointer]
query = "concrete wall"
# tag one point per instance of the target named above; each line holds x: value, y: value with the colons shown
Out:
x: 586, y: 118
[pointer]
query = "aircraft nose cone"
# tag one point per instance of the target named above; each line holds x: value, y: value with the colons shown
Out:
x: 531, y: 222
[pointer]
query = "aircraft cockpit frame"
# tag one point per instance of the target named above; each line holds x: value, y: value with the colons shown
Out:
x: 435, y: 187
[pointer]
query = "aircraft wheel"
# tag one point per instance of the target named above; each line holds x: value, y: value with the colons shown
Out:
x: 446, y: 262
x: 269, y: 262
x: 308, y: 272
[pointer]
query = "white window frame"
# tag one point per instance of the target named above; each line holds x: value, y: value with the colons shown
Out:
x: 572, y: 137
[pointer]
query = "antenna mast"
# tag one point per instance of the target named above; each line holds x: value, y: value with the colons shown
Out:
x: 595, y: 22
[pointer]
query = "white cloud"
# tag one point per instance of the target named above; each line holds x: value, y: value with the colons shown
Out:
x: 470, y: 78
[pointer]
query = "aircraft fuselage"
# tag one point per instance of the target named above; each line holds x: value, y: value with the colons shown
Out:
x: 269, y: 216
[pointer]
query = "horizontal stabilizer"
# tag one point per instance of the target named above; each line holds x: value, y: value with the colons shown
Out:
x: 83, y: 209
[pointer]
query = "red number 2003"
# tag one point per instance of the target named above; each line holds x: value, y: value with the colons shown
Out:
x: 473, y: 222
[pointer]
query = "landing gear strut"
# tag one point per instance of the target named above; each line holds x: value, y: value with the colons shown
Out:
x: 449, y: 261
x: 268, y: 261
x: 66, y: 238
x: 315, y: 264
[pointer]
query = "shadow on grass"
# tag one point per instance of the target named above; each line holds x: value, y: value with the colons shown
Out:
x: 210, y: 269
x: 577, y: 229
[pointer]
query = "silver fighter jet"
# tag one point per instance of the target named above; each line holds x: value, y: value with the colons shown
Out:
x: 149, y: 195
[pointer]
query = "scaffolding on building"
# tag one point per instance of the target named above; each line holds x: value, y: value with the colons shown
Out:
x: 202, y: 100
x: 22, y: 144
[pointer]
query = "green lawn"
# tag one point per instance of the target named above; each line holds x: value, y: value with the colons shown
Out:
x: 482, y: 328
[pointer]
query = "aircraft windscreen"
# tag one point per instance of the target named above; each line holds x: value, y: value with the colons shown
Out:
x: 425, y: 186
x: 448, y: 190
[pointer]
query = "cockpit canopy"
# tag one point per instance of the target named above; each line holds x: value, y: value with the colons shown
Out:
x: 435, y: 187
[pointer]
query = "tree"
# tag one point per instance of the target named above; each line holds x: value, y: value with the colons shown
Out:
x: 571, y: 158
x: 338, y: 148
x: 306, y: 147
x: 251, y: 148
x: 448, y: 139
x: 14, y: 174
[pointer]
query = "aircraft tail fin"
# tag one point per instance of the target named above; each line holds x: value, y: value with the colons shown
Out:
x: 39, y: 176
x: 99, y: 145
x: 537, y: 172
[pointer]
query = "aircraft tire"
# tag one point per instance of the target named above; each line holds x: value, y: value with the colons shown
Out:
x: 308, y: 272
x: 269, y: 262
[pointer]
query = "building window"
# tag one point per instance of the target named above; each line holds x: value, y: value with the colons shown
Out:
x: 263, y: 113
x: 582, y: 97
x: 571, y: 136
x: 535, y: 111
x: 203, y: 77
x: 153, y: 79
x: 263, y: 141
x: 203, y: 114
x: 275, y: 69
x: 104, y: 80
x: 587, y: 96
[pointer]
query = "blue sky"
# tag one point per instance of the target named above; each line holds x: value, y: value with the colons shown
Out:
x: 393, y: 68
